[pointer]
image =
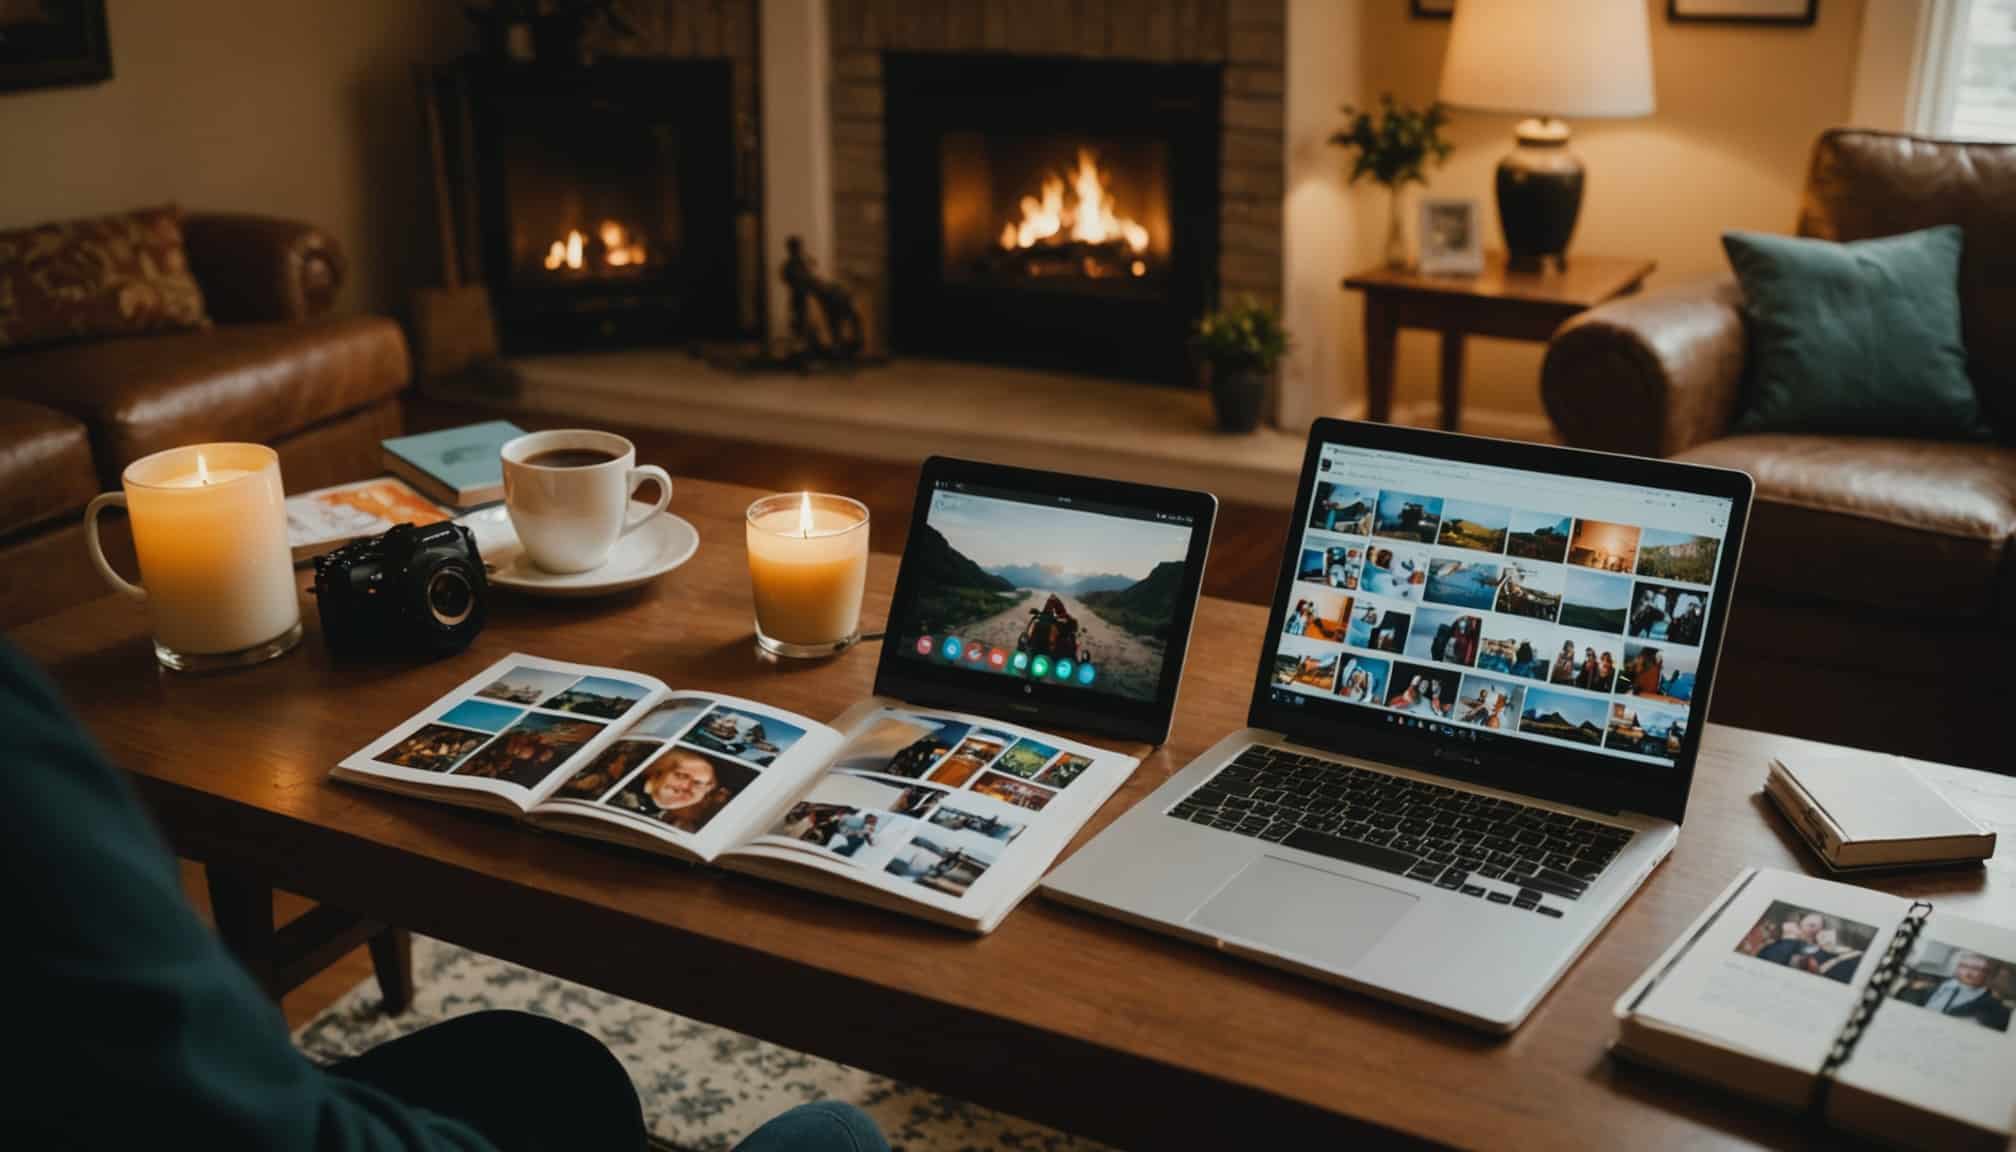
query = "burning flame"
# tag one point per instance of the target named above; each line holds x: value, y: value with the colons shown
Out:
x: 804, y: 515
x: 1090, y: 217
x: 617, y: 248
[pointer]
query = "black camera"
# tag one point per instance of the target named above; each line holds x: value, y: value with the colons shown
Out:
x: 412, y: 592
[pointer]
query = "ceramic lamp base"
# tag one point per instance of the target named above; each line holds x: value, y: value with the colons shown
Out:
x: 789, y: 651
x: 1539, y: 196
x: 224, y: 661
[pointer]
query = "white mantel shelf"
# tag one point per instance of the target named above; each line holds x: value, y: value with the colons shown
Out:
x: 910, y: 409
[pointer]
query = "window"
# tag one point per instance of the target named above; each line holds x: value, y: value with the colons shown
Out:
x: 1972, y: 78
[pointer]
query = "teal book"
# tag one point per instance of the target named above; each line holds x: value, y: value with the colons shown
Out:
x: 459, y: 467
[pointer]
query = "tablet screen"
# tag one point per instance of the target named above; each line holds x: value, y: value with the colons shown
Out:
x: 1043, y: 587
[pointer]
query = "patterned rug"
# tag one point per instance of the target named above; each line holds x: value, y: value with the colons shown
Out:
x: 704, y: 1088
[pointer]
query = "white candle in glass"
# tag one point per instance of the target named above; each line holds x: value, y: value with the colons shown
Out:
x: 808, y: 564
x: 210, y: 529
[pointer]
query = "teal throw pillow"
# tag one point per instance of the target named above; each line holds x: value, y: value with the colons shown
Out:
x: 1854, y: 338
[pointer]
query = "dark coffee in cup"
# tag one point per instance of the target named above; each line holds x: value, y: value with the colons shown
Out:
x: 570, y: 458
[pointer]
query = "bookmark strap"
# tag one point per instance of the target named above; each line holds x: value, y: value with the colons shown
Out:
x: 1881, y: 984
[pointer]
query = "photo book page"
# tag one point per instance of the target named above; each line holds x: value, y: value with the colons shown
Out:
x: 956, y: 812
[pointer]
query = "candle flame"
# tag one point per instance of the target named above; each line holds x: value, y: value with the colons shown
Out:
x: 202, y: 470
x: 805, y: 515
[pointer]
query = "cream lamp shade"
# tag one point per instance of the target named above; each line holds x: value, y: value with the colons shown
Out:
x: 1578, y: 58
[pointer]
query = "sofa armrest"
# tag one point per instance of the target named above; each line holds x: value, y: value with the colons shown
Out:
x: 1651, y: 375
x: 260, y: 269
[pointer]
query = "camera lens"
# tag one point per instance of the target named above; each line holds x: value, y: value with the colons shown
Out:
x: 449, y: 596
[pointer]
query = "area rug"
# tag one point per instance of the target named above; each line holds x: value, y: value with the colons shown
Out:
x: 704, y: 1088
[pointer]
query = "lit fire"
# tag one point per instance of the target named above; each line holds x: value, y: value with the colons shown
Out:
x: 616, y: 249
x: 1090, y: 216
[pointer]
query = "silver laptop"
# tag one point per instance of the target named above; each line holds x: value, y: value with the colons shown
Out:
x: 1472, y: 730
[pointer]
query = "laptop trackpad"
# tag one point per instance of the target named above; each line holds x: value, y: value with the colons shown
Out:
x: 1305, y: 912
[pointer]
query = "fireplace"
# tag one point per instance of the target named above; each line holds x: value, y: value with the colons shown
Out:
x: 607, y: 202
x: 1051, y: 212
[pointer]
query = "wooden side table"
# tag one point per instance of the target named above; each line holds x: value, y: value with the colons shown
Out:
x: 1497, y: 302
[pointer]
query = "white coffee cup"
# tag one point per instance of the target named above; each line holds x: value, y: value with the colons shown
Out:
x: 570, y: 515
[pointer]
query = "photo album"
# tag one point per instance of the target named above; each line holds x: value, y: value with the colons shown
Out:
x: 940, y: 814
x: 1886, y: 1018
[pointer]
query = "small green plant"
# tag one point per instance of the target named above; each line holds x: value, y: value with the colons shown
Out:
x: 1246, y: 337
x: 1394, y: 148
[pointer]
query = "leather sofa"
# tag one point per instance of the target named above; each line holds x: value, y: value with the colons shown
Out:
x: 1876, y: 599
x: 274, y: 367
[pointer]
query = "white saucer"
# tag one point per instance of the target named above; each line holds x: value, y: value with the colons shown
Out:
x: 661, y: 545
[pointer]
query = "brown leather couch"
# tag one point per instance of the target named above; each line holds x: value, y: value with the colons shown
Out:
x: 1876, y: 600
x: 275, y: 368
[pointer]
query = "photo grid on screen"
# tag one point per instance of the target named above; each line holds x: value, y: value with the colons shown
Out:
x: 1485, y: 599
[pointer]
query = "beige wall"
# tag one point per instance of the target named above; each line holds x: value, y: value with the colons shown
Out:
x: 300, y: 108
x: 1738, y: 111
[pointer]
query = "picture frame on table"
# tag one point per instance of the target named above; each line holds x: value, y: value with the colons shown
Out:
x: 1785, y: 13
x: 53, y: 43
x: 1452, y: 236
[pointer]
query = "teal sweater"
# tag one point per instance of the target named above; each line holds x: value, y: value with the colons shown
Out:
x: 131, y: 1023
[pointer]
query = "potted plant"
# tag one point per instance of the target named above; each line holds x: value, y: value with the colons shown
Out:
x: 1239, y: 348
x: 1394, y: 150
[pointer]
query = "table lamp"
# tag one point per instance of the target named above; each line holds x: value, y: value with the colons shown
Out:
x: 1546, y: 59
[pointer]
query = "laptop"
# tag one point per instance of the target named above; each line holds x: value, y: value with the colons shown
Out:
x: 1472, y: 729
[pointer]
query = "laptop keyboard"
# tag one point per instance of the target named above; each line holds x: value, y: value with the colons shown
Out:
x: 1443, y: 836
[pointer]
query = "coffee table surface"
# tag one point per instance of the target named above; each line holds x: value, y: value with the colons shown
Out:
x: 1060, y: 1016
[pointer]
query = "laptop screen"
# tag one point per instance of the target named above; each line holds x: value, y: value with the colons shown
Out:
x: 1486, y: 603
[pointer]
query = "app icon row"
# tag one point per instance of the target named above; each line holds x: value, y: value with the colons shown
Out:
x: 1039, y: 667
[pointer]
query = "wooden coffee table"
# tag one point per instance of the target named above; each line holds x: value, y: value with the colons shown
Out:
x: 1059, y: 1016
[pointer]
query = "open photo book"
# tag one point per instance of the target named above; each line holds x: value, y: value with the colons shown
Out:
x: 939, y: 814
x: 1881, y: 1016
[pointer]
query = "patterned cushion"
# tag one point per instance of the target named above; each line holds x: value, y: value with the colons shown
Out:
x: 105, y: 276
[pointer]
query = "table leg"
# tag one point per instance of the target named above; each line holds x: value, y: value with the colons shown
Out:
x: 1452, y: 380
x: 392, y: 961
x: 242, y: 907
x: 1382, y: 334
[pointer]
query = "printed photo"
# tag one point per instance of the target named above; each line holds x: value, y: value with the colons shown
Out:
x: 839, y: 828
x: 480, y: 715
x: 1377, y: 628
x: 1313, y: 567
x: 1659, y: 672
x: 529, y: 751
x: 1009, y: 790
x: 1448, y: 635
x: 1344, y: 566
x: 1531, y: 590
x: 670, y: 719
x: 1516, y: 647
x: 1464, y: 583
x: 1405, y: 516
x: 943, y: 863
x: 1960, y: 984
x: 1586, y: 660
x: 1594, y: 601
x: 1363, y: 680
x: 1395, y: 572
x: 1808, y: 941
x: 1345, y: 508
x: 900, y: 744
x: 1304, y: 668
x: 973, y: 753
x: 745, y: 735
x: 1562, y: 716
x: 526, y: 685
x: 1064, y: 771
x: 433, y: 748
x: 1680, y: 556
x: 1647, y: 729
x: 1488, y: 702
x: 1662, y: 612
x: 1604, y: 547
x: 1025, y: 759
x: 601, y: 774
x: 1478, y: 527
x: 1538, y: 536
x: 1317, y: 612
x: 979, y: 824
x: 874, y: 794
x: 599, y: 696
x: 683, y: 788
x: 1420, y: 690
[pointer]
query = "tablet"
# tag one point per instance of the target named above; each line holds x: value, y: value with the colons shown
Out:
x: 1061, y: 600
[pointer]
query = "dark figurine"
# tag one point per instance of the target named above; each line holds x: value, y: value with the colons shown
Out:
x: 825, y: 324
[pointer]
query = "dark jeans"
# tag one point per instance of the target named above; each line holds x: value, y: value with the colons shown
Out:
x: 528, y: 1083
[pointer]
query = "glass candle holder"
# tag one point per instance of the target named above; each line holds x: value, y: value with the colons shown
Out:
x: 210, y: 530
x: 808, y: 563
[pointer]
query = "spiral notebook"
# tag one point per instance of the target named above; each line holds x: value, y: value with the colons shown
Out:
x: 1876, y: 1014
